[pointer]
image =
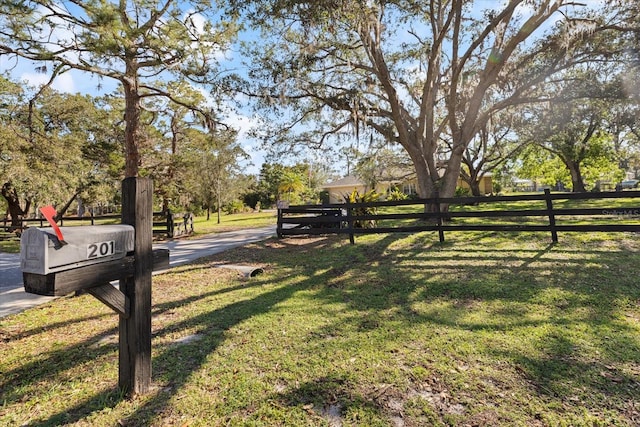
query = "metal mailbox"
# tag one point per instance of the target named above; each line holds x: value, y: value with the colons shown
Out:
x: 41, y: 252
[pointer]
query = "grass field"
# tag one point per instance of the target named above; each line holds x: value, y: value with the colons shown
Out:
x: 233, y: 222
x: 396, y: 330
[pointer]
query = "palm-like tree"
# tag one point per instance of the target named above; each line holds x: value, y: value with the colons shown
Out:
x: 290, y: 182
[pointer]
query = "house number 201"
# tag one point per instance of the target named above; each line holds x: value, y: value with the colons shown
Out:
x: 100, y: 249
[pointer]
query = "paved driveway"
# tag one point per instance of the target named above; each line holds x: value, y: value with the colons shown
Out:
x: 10, y: 275
x: 13, y: 299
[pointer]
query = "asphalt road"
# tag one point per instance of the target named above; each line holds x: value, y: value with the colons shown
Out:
x: 10, y: 274
x: 13, y: 299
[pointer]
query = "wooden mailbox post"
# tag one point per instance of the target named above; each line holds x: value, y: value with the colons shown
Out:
x: 135, y: 330
x: 133, y: 300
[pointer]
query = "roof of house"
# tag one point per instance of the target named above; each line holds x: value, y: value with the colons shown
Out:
x: 347, y: 181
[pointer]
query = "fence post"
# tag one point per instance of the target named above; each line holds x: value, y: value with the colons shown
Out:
x: 552, y: 218
x: 189, y: 222
x: 350, y: 223
x: 170, y: 224
x: 134, y: 375
x: 279, y: 224
x: 439, y: 217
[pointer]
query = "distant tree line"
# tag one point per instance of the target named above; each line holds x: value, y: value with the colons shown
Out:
x: 58, y: 148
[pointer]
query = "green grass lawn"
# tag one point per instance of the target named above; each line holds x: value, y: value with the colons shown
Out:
x: 10, y: 244
x: 622, y: 204
x: 231, y: 222
x: 396, y: 330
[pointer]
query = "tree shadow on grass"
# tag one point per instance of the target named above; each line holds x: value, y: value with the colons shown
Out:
x: 15, y: 384
x: 447, y: 285
x: 388, y: 278
x: 329, y: 398
x: 106, y: 399
x: 174, y: 364
x: 561, y: 373
x: 49, y: 327
x: 375, y: 277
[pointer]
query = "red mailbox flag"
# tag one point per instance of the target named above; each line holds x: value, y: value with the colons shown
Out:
x: 49, y: 212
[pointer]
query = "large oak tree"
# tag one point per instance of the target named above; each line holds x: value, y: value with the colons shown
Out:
x: 54, y: 147
x: 572, y: 124
x: 428, y: 75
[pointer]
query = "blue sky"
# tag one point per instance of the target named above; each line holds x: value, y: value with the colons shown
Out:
x: 75, y: 81
x: 80, y: 82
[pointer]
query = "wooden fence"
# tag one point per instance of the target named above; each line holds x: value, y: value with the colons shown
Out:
x: 544, y: 212
x: 164, y: 223
x: 173, y: 225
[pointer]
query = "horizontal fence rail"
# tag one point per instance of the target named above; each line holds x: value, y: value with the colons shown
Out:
x: 164, y: 223
x: 171, y: 224
x: 544, y: 212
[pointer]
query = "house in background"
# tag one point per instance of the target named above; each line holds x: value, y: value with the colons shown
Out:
x: 485, y: 185
x: 387, y: 179
x: 337, y: 190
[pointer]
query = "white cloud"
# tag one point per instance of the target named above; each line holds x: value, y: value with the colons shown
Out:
x: 243, y: 124
x: 62, y: 83
x: 198, y: 22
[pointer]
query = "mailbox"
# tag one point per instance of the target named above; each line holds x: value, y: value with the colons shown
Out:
x: 41, y: 252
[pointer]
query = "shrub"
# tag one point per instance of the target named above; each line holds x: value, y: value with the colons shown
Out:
x: 233, y: 207
x: 462, y: 192
x: 356, y: 197
x: 396, y: 194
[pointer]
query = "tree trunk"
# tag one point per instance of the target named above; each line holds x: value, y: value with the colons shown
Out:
x: 451, y: 174
x: 132, y: 113
x: 576, y: 177
x: 65, y: 208
x: 426, y: 184
x: 426, y: 187
x: 13, y: 205
x: 218, y: 196
x: 474, y: 185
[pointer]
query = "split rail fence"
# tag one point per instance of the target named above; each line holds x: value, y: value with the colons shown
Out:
x: 164, y: 223
x: 544, y: 212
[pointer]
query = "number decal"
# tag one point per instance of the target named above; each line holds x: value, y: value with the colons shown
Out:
x: 101, y: 249
x: 92, y: 251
